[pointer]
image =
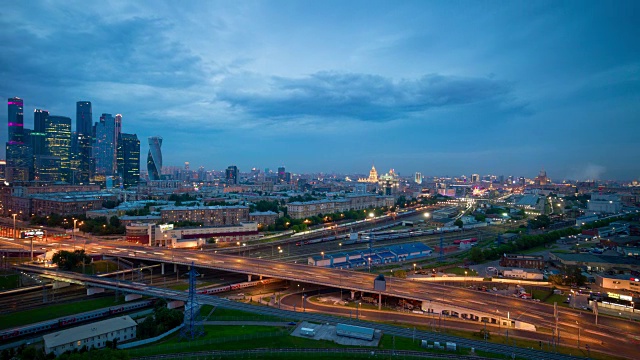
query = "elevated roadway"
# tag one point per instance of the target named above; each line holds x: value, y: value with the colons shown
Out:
x: 307, y: 316
x: 609, y: 330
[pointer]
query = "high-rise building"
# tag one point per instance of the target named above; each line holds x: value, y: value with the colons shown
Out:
x: 15, y: 121
x: 418, y: 178
x: 84, y: 117
x: 232, y: 175
x: 281, y: 174
x: 58, y: 143
x: 154, y: 158
x: 475, y: 178
x: 104, y: 151
x: 129, y: 160
x: 19, y: 154
x: 46, y: 168
x: 37, y: 136
x: 83, y: 143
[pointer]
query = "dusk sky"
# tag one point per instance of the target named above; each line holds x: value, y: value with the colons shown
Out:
x: 440, y: 87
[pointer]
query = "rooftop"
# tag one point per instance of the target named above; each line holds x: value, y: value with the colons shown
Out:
x: 88, y: 330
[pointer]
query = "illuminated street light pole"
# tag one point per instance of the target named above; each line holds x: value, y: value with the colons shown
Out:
x: 414, y: 268
x: 75, y: 221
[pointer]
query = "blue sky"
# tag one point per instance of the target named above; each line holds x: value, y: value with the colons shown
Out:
x: 440, y: 87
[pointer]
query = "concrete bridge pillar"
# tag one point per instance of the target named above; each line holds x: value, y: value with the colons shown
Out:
x: 380, y: 301
x: 175, y: 267
x: 249, y: 277
x: 162, y: 268
x: 353, y: 294
x: 260, y: 277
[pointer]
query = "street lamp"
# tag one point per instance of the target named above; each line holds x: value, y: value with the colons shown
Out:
x: 75, y: 221
x: 465, y: 278
x: 414, y: 268
x: 322, y: 253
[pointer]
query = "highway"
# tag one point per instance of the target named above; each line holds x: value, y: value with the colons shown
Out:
x: 610, y: 331
x: 307, y: 316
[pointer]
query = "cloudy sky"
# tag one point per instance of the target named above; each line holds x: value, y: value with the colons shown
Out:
x: 440, y: 87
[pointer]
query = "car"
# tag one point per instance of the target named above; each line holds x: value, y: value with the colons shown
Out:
x: 566, y: 301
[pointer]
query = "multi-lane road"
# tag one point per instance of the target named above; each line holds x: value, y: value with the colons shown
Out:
x: 609, y: 333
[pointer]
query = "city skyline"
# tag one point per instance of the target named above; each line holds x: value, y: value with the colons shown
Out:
x: 436, y: 88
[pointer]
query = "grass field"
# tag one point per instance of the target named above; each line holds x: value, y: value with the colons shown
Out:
x: 104, y: 266
x: 460, y: 271
x: 8, y: 281
x: 54, y: 311
x: 222, y: 314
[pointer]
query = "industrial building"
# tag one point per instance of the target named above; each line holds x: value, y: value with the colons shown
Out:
x: 166, y: 235
x: 522, y: 261
x: 94, y: 335
x: 375, y: 256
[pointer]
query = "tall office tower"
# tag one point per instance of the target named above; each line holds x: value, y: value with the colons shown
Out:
x: 118, y: 131
x: 84, y: 117
x: 15, y: 121
x: 46, y: 168
x: 83, y: 149
x: 475, y: 178
x: 104, y: 146
x: 58, y: 143
x: 281, y: 174
x: 231, y: 174
x: 19, y: 155
x: 129, y: 160
x: 154, y: 158
x: 37, y: 141
x: 418, y: 178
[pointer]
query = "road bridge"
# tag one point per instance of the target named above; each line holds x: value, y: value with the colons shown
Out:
x: 306, y: 316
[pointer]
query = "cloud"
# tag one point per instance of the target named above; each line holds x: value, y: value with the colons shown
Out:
x: 129, y: 50
x: 364, y: 97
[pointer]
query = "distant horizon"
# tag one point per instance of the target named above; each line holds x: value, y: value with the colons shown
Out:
x: 431, y: 87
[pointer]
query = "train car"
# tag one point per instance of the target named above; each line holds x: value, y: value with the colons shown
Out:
x: 9, y: 334
x: 236, y: 286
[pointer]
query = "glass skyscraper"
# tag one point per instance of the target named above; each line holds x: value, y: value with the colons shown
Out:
x: 129, y: 160
x: 58, y: 143
x: 83, y: 143
x: 104, y: 151
x: 154, y: 158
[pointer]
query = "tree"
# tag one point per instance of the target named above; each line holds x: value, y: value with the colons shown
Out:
x: 480, y: 217
x: 476, y: 255
x: 67, y: 260
x: 400, y: 274
x: 458, y: 223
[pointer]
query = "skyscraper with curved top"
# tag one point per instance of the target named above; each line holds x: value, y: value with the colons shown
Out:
x: 154, y: 158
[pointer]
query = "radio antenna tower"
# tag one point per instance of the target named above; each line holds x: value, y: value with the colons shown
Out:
x: 192, y: 322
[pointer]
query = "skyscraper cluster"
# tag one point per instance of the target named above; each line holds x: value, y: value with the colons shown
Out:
x: 52, y: 152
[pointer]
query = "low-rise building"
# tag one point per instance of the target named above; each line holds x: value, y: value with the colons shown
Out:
x: 207, y: 215
x: 522, y: 261
x: 619, y: 282
x: 264, y: 218
x: 168, y: 236
x: 596, y: 262
x: 301, y: 210
x: 528, y: 274
x: 94, y: 335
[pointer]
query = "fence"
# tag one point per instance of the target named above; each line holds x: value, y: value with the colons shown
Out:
x: 299, y: 353
x: 150, y: 340
x: 187, y: 346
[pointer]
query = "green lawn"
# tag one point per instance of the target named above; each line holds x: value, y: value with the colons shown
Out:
x: 222, y: 314
x: 8, y: 281
x: 53, y: 311
x: 460, y: 271
x: 102, y: 266
x: 557, y: 298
